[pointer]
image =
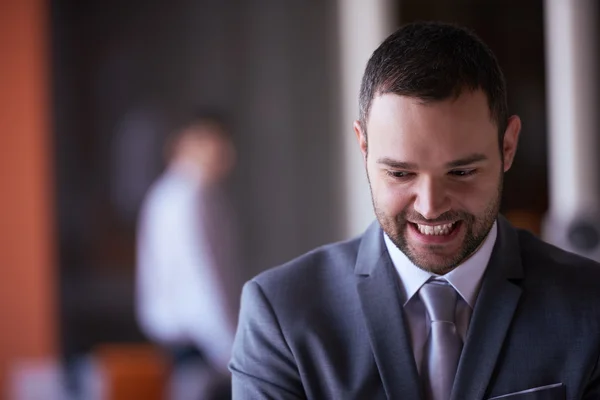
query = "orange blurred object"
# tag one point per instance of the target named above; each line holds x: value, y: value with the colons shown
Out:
x: 525, y: 219
x: 133, y: 371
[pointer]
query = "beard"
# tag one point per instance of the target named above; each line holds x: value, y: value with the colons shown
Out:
x: 476, y: 229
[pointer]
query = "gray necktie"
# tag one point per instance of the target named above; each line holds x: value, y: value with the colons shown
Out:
x: 443, y: 346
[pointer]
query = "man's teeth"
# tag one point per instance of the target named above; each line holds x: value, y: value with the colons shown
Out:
x: 435, y: 230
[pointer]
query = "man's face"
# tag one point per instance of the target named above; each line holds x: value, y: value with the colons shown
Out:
x: 435, y: 173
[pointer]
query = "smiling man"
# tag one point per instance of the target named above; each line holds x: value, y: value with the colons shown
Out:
x: 441, y: 298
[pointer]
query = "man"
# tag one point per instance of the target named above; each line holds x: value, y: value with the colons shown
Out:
x: 185, y: 275
x: 441, y: 298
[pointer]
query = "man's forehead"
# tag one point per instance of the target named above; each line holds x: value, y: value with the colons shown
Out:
x: 388, y: 105
x: 465, y: 118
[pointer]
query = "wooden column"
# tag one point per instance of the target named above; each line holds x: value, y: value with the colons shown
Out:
x: 27, y: 270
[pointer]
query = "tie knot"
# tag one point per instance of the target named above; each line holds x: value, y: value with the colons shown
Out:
x: 440, y: 300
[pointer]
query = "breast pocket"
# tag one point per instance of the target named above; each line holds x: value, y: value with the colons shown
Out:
x: 555, y: 391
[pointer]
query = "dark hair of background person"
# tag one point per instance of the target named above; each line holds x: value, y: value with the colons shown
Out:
x: 202, y: 117
x: 434, y: 61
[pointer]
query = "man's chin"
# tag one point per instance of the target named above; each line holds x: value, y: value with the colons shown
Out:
x: 437, y: 269
x: 436, y: 264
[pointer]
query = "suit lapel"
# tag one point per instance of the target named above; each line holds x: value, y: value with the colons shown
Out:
x: 378, y: 290
x: 493, y: 313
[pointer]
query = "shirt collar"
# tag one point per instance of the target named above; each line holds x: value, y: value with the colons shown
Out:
x: 466, y: 278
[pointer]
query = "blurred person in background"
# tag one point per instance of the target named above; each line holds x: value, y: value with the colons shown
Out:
x: 186, y: 290
x: 441, y: 298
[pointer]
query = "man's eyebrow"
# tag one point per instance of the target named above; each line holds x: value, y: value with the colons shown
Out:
x: 473, y: 158
x: 396, y: 164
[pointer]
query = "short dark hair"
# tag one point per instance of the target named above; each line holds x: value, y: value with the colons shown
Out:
x: 208, y: 116
x: 434, y: 61
x: 200, y: 117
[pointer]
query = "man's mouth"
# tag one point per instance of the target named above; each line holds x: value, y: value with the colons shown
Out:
x: 436, y: 230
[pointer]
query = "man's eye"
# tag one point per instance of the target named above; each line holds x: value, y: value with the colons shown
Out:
x: 462, y: 172
x: 399, y: 174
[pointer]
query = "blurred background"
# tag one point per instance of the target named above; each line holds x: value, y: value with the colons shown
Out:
x: 90, y: 90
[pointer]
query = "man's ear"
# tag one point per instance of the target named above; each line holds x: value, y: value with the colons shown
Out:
x: 511, y: 140
x: 361, y: 136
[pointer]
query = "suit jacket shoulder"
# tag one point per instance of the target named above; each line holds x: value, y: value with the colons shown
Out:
x: 319, y: 269
x: 305, y: 283
x: 331, y: 258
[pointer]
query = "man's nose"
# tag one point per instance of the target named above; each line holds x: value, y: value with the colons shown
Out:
x: 431, y: 199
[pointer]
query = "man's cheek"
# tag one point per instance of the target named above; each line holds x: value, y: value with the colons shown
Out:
x: 396, y: 197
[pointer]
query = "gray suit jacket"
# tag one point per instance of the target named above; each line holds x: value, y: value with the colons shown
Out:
x: 329, y: 325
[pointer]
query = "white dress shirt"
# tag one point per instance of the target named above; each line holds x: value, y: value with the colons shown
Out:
x: 466, y: 280
x: 180, y: 299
